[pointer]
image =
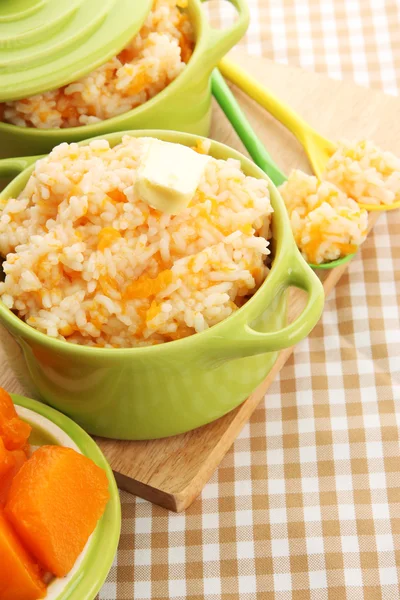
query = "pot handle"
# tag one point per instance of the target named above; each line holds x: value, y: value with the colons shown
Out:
x: 222, y: 40
x: 246, y: 341
x: 14, y: 166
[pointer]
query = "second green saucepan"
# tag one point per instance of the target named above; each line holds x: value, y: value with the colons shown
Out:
x: 158, y: 391
x: 184, y: 105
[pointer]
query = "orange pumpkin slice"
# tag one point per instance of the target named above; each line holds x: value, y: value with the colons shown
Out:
x: 15, y: 433
x: 6, y: 461
x: 19, y: 575
x: 54, y: 504
x: 10, y: 464
x: 7, y: 408
x: 13, y: 430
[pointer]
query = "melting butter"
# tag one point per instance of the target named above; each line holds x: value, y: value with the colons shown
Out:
x: 169, y: 175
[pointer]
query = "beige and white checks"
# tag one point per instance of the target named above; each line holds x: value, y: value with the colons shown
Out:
x: 306, y: 505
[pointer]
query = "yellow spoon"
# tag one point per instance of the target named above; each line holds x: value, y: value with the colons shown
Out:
x: 318, y: 149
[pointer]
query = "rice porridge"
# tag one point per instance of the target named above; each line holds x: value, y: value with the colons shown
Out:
x: 88, y: 261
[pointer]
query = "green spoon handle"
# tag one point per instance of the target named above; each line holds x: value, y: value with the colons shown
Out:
x: 265, y: 98
x: 253, y: 144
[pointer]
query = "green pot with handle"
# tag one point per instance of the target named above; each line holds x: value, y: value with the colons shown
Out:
x: 184, y: 105
x: 164, y: 390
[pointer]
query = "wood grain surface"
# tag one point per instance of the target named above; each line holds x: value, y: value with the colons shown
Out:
x: 172, y: 472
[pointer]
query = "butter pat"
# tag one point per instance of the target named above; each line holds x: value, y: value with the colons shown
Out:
x: 169, y: 175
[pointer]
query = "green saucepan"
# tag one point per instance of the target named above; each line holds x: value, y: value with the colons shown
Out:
x: 158, y: 391
x: 184, y: 105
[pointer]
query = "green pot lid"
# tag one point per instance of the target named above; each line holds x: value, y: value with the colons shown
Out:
x: 45, y: 44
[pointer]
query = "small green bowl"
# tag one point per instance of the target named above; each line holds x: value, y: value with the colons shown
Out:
x: 93, y: 565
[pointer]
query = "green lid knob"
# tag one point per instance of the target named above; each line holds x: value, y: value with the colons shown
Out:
x: 45, y: 44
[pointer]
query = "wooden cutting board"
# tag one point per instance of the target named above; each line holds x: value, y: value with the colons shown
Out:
x: 172, y: 472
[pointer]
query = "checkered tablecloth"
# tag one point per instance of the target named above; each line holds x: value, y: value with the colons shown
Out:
x: 306, y: 505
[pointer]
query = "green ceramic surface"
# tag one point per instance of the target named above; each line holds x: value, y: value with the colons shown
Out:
x: 184, y: 105
x: 97, y: 561
x: 158, y: 391
x: 44, y: 45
